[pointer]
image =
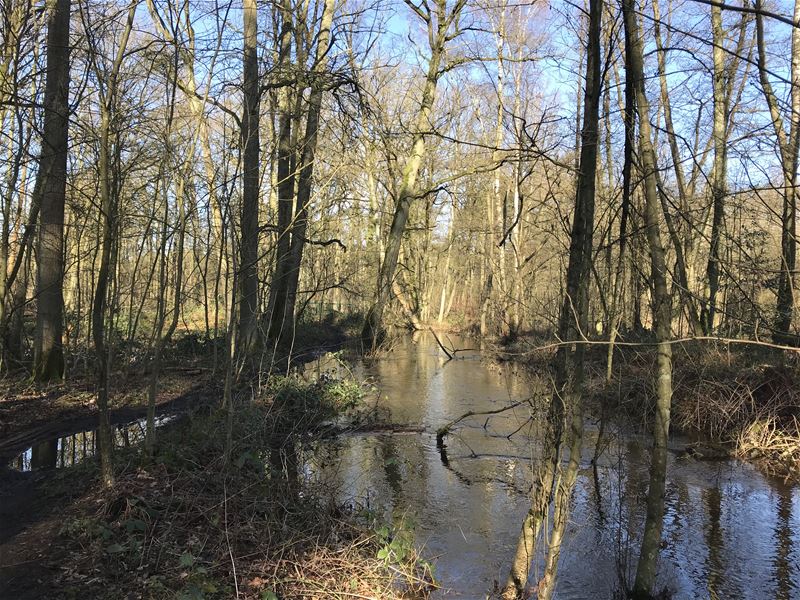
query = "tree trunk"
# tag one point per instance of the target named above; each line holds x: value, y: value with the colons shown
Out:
x: 248, y: 276
x: 373, y: 329
x: 108, y: 218
x: 286, y: 184
x: 567, y: 403
x: 48, y: 362
x: 788, y: 146
x: 305, y: 178
x: 681, y: 271
x: 719, y: 175
x: 662, y: 310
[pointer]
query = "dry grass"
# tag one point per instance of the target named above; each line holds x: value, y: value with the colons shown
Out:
x: 752, y: 408
x: 744, y: 399
x: 774, y: 443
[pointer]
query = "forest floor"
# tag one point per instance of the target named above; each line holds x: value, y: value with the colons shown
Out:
x: 220, y: 510
x: 62, y: 535
x: 207, y: 518
x: 738, y: 401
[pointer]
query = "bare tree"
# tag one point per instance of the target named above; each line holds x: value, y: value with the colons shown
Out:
x: 788, y: 142
x: 107, y: 90
x: 661, y: 307
x: 248, y: 260
x: 442, y: 25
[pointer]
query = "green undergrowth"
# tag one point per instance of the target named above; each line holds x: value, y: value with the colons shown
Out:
x: 225, y: 508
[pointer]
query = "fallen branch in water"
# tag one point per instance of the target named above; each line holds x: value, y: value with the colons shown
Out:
x: 451, y: 353
x: 443, y: 431
x: 438, y: 341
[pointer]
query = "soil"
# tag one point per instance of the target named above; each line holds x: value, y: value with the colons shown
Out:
x: 34, y: 505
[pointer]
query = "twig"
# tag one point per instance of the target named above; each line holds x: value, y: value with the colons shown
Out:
x: 681, y: 340
x: 443, y: 431
x: 228, y: 540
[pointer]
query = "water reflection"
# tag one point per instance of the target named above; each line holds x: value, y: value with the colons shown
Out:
x: 71, y: 449
x: 785, y: 569
x: 729, y: 531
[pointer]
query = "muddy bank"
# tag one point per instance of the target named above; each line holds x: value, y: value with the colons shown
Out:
x: 200, y: 396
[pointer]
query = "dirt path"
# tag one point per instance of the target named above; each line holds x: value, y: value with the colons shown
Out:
x: 65, y: 411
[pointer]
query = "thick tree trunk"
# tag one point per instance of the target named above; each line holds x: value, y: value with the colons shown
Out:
x: 48, y: 362
x: 248, y: 267
x: 291, y: 277
x: 373, y: 325
x: 286, y: 183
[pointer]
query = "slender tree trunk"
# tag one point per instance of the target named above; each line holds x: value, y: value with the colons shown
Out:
x: 719, y: 175
x: 566, y: 406
x: 108, y: 218
x: 48, y: 362
x: 618, y: 302
x: 681, y: 270
x: 108, y: 227
x: 662, y: 310
x: 788, y: 146
x: 495, y: 280
x: 248, y: 277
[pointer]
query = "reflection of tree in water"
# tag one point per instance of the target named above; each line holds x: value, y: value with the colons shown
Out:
x: 712, y: 499
x: 44, y: 455
x: 391, y: 466
x: 783, y: 544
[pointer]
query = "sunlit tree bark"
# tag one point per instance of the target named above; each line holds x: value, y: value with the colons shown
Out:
x: 788, y: 142
x: 442, y: 24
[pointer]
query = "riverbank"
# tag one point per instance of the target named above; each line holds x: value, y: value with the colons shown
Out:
x: 221, y: 510
x: 191, y: 377
x: 735, y: 400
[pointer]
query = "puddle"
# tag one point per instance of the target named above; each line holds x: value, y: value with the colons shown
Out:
x: 71, y: 449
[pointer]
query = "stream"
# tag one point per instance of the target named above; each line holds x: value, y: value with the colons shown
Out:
x: 729, y: 531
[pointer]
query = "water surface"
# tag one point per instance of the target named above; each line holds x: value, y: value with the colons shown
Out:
x: 730, y: 532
